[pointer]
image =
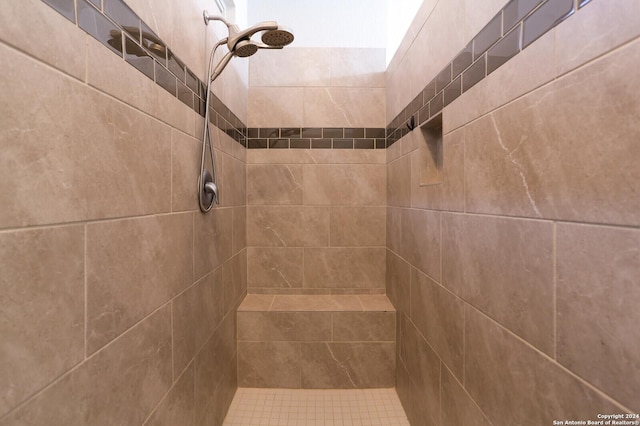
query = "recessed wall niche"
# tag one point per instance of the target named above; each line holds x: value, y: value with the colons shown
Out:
x: 430, y: 152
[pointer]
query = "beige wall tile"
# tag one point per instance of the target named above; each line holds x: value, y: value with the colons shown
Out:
x: 185, y: 166
x: 423, y: 366
x: 399, y: 182
x: 213, y: 235
x: 275, y: 267
x: 528, y: 70
x: 598, y: 334
x: 542, y: 390
x: 233, y: 182
x: 398, y: 276
x: 133, y: 267
x: 239, y: 228
x: 279, y: 370
x: 504, y: 267
x: 291, y: 67
x: 284, y: 326
x: 364, y: 326
x: 222, y: 397
x: 343, y: 107
x: 344, y: 267
x: 213, y: 362
x: 276, y: 226
x: 357, y: 67
x: 337, y: 184
x: 274, y: 184
x: 347, y: 365
x: 178, y: 407
x: 394, y: 229
x: 65, y: 43
x: 594, y: 31
x: 234, y: 278
x: 316, y: 303
x: 256, y: 302
x: 420, y: 242
x: 457, y: 406
x: 357, y: 226
x: 79, y: 150
x: 449, y: 194
x: 121, y: 384
x: 42, y: 316
x: 196, y: 314
x: 513, y: 168
x: 134, y: 88
x: 276, y: 107
x: 439, y: 316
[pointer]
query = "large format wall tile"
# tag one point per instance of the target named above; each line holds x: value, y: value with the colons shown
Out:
x: 598, y: 294
x: 78, y: 153
x: 196, y: 314
x: 213, y: 235
x: 364, y: 326
x: 457, y: 406
x: 398, y: 276
x: 603, y: 25
x: 185, y: 164
x: 296, y: 66
x: 213, y: 362
x: 234, y: 280
x: 347, y: 365
x: 280, y: 226
x: 42, y: 315
x: 139, y: 375
x: 351, y: 267
x: 439, y: 316
x: 420, y: 243
x: 504, y: 267
x: 276, y: 107
x: 343, y: 107
x: 399, y: 181
x: 424, y: 367
x: 537, y: 156
x: 358, y: 67
x: 541, y: 390
x: 275, y: 267
x: 284, y: 326
x: 178, y: 406
x: 526, y: 71
x: 357, y: 226
x: 281, y: 369
x: 134, y: 266
x: 337, y: 184
x: 63, y: 39
x: 274, y: 184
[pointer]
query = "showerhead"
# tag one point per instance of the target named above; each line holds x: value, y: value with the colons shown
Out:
x: 245, y: 48
x: 281, y: 36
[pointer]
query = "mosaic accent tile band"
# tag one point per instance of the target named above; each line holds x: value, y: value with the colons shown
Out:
x: 316, y: 137
x: 516, y: 26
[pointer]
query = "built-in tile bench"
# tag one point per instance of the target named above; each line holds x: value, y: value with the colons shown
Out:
x: 316, y: 341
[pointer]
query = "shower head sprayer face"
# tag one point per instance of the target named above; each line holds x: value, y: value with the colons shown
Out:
x: 279, y: 37
x: 245, y: 48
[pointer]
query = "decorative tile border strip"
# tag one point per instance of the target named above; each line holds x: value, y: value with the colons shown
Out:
x: 316, y: 137
x: 118, y: 28
x: 515, y: 27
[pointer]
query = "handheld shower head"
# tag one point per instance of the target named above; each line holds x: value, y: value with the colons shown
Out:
x: 281, y: 36
x: 245, y: 48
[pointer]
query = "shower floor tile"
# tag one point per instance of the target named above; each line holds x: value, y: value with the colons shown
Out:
x: 298, y: 407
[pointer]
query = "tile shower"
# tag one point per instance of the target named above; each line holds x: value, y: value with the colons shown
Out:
x: 514, y: 280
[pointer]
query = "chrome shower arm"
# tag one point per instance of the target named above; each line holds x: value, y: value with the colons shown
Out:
x: 207, y: 17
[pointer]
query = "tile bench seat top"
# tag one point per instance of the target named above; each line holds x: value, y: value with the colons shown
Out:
x: 316, y: 303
